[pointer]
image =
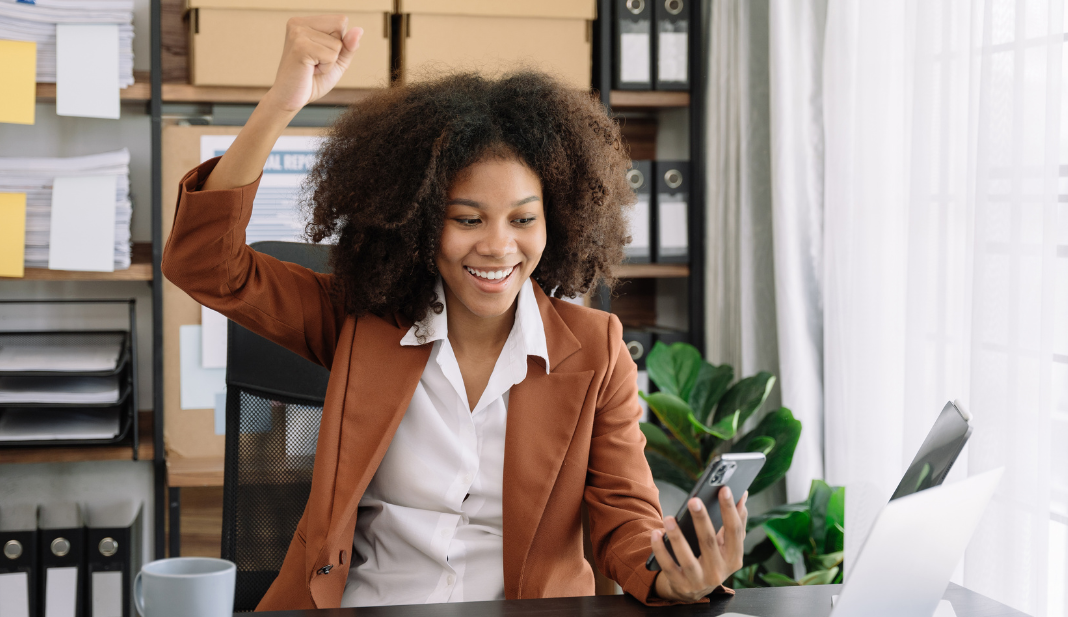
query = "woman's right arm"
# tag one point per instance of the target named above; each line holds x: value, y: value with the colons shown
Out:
x: 206, y: 254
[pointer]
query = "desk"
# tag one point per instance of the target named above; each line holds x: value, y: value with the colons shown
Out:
x: 778, y: 602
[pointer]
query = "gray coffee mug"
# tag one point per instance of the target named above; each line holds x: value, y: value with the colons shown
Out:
x: 186, y: 586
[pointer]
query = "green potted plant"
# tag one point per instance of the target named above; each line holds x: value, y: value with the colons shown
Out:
x: 809, y: 535
x: 703, y: 412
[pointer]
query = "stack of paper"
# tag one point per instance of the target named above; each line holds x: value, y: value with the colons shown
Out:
x: 36, y: 176
x: 58, y: 424
x: 62, y: 354
x: 19, y: 390
x: 36, y: 22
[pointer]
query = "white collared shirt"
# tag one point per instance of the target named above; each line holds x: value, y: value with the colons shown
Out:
x: 429, y: 525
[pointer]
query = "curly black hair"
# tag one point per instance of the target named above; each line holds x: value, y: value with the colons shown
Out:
x: 382, y: 176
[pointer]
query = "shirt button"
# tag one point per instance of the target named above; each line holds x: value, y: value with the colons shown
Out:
x: 444, y: 533
x: 451, y: 579
x: 467, y: 479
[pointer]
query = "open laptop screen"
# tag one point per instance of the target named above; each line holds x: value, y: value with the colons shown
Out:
x: 938, y: 452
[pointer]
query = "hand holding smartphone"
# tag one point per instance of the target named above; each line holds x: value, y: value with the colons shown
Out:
x: 736, y: 470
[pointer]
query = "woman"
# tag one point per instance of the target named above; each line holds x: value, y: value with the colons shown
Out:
x: 468, y: 416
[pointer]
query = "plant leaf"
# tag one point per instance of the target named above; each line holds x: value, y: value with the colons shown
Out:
x: 674, y: 414
x: 674, y: 369
x: 790, y: 535
x: 724, y: 429
x: 780, y: 512
x: 778, y: 580
x: 665, y: 470
x: 745, y: 578
x: 712, y: 382
x: 830, y: 560
x: 762, y: 444
x: 835, y: 540
x: 658, y: 441
x: 745, y: 396
x: 819, y: 577
x: 781, y: 426
x: 818, y: 495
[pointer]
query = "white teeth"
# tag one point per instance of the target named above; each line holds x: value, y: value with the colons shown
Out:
x: 491, y: 275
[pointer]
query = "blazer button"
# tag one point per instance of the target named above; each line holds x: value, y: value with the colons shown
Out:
x: 325, y: 569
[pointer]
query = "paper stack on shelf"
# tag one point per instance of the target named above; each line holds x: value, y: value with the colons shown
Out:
x: 75, y: 390
x: 36, y: 22
x: 35, y: 177
x: 59, y: 424
x: 73, y: 353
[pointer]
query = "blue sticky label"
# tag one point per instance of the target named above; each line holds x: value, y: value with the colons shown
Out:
x: 24, y: 1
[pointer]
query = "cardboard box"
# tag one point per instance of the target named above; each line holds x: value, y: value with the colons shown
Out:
x: 239, y: 42
x: 492, y: 37
x: 188, y: 434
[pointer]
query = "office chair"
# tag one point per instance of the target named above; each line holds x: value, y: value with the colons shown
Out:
x: 274, y: 402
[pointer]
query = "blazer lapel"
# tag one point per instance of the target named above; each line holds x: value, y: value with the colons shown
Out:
x: 543, y: 414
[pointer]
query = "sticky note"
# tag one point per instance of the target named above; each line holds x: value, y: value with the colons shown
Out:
x: 12, y: 233
x: 87, y: 70
x: 82, y: 234
x: 212, y: 339
x: 199, y: 385
x: 18, y: 81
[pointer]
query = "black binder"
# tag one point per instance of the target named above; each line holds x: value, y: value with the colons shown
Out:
x: 640, y: 179
x: 61, y: 553
x: 639, y: 343
x: 113, y: 558
x: 672, y: 43
x: 672, y: 211
x: 18, y: 566
x: 633, y: 44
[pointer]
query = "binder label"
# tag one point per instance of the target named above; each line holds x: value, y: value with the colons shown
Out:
x: 14, y: 595
x: 61, y: 592
x: 639, y: 229
x: 673, y: 230
x: 107, y: 594
x: 672, y: 55
x: 634, y: 60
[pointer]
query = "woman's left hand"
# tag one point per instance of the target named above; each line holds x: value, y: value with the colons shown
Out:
x: 692, y: 578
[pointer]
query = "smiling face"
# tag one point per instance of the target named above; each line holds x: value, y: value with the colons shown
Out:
x: 493, y: 237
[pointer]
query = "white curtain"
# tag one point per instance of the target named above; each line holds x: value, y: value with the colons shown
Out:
x: 946, y: 266
x: 740, y: 287
x: 796, y: 104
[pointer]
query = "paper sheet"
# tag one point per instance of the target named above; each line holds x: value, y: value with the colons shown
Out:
x: 673, y: 232
x: 14, y: 595
x: 58, y: 424
x: 87, y: 70
x: 634, y: 57
x: 61, y: 592
x: 276, y: 208
x: 107, y: 594
x: 212, y: 338
x: 66, y: 389
x: 199, y: 384
x: 12, y: 233
x: 672, y: 53
x: 82, y: 233
x: 83, y: 357
x: 18, y: 81
x: 220, y: 413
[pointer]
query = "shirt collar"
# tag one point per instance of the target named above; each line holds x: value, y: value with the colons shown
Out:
x: 528, y: 330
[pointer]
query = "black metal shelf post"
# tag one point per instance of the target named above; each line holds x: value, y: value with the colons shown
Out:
x: 159, y: 467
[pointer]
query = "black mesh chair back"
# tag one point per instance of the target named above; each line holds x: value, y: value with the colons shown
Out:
x: 274, y: 402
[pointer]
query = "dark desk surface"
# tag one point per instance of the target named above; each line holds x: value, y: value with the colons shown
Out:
x: 782, y: 601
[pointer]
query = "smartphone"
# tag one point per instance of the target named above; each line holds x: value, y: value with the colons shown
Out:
x: 736, y: 470
x: 938, y: 452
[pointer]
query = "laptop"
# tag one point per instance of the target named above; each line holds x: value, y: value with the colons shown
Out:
x: 938, y: 452
x: 913, y: 548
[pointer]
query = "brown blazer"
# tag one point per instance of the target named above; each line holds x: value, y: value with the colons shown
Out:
x: 572, y: 435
